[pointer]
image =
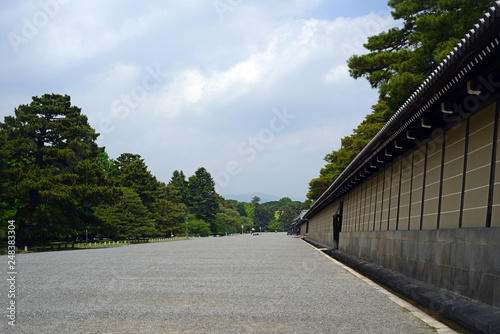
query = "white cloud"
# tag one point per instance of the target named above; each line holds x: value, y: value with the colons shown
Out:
x: 190, y: 90
x: 79, y: 38
x: 337, y: 74
x: 294, y: 47
x: 185, y: 90
x: 171, y: 81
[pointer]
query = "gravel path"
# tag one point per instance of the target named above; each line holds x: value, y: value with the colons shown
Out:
x: 271, y: 283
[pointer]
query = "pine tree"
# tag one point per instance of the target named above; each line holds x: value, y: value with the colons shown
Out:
x: 401, y: 58
x: 172, y: 209
x: 398, y: 61
x: 179, y: 183
x: 262, y: 216
x: 288, y: 214
x: 6, y: 205
x: 202, y: 198
x: 125, y: 218
x: 52, y: 168
x: 130, y: 170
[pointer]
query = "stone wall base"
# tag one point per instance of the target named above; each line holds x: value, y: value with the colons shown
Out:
x: 464, y: 261
x: 479, y: 317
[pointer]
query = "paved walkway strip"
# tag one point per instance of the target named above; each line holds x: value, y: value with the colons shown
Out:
x: 271, y: 283
x: 430, y: 321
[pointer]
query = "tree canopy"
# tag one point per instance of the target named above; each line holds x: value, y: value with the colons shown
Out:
x: 51, y: 168
x: 131, y: 171
x: 398, y: 61
x: 172, y: 208
x: 202, y: 198
x: 126, y: 217
x: 402, y: 57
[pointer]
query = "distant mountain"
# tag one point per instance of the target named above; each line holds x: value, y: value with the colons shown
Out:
x: 264, y: 198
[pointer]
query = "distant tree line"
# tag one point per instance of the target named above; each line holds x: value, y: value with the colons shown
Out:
x: 57, y: 183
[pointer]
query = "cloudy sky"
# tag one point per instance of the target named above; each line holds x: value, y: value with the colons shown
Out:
x: 257, y: 92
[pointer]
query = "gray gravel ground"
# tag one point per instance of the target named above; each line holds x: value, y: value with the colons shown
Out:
x: 271, y: 283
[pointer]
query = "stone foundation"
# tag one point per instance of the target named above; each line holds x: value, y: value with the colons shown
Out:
x: 465, y: 261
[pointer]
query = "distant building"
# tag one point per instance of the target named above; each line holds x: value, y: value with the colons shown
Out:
x: 297, y: 222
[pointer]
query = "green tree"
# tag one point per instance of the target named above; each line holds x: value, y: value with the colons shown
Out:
x: 171, y: 208
x: 276, y: 226
x: 401, y: 58
x: 198, y: 226
x: 284, y: 201
x: 249, y: 210
x: 283, y: 212
x: 262, y: 216
x: 255, y: 200
x: 229, y: 219
x: 238, y: 206
x: 52, y: 167
x: 178, y: 182
x: 288, y: 213
x: 307, y: 204
x: 107, y: 163
x: 202, y: 198
x: 125, y: 218
x: 131, y: 171
x: 398, y: 61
